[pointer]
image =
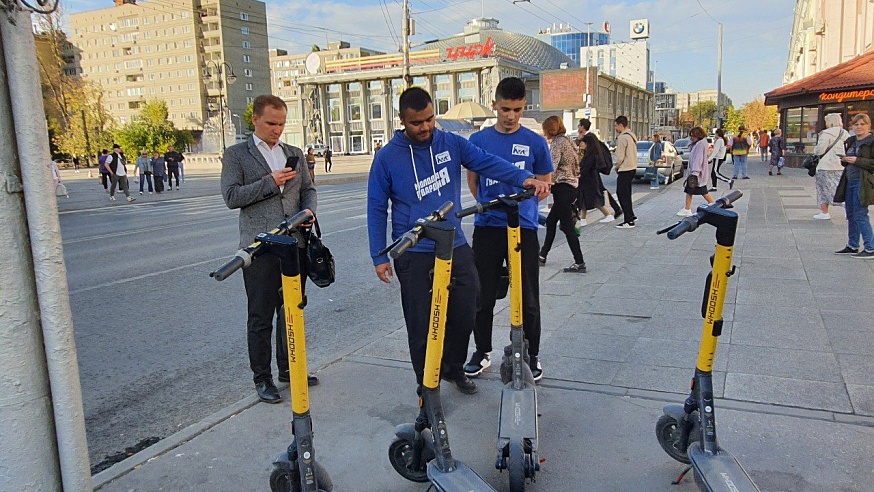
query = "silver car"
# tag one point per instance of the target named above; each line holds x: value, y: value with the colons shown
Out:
x: 669, y: 169
x: 684, y: 147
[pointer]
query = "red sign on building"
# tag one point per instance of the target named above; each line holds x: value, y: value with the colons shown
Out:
x: 471, y: 51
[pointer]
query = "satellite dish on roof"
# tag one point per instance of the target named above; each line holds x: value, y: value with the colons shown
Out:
x: 313, y: 63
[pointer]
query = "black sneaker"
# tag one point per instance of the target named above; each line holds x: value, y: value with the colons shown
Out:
x: 462, y: 382
x: 576, y: 268
x: 847, y: 251
x: 865, y: 255
x: 284, y: 377
x: 536, y: 370
x: 479, y: 361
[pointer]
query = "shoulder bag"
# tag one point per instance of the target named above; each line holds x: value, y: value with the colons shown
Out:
x: 811, y: 161
x: 320, y: 262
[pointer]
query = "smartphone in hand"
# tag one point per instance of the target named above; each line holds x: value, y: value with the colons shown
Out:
x: 291, y: 162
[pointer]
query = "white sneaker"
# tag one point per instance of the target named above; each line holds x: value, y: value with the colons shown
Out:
x: 150, y: 192
x: 685, y: 212
x: 141, y: 193
x: 607, y: 219
x: 130, y: 198
x: 582, y: 223
x: 822, y: 216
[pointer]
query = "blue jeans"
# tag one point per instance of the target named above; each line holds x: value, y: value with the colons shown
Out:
x: 740, y: 165
x: 858, y: 223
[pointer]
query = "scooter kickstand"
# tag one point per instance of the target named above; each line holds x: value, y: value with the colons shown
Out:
x: 682, y: 475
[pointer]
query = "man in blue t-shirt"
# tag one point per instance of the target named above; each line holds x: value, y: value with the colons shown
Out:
x: 529, y: 151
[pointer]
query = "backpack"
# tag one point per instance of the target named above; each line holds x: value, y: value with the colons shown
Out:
x: 603, y: 164
x: 740, y: 146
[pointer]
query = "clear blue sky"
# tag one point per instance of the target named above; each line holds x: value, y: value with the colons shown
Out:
x: 683, y: 36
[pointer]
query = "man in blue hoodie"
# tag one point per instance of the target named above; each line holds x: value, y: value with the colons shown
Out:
x: 529, y: 151
x: 417, y: 171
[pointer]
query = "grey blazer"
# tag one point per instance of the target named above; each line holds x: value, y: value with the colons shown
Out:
x: 247, y: 185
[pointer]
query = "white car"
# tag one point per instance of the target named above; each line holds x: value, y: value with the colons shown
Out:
x: 669, y: 169
x: 318, y: 149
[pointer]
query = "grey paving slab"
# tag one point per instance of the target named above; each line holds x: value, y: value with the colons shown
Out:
x: 782, y: 268
x: 848, y: 340
x: 587, y: 345
x: 849, y: 301
x: 579, y: 369
x: 679, y: 329
x: 665, y: 379
x: 802, y: 330
x: 795, y: 364
x: 787, y: 391
x: 862, y: 398
x: 857, y: 369
x: 605, y: 324
x: 691, y: 310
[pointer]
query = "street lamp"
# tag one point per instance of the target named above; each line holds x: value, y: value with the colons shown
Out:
x: 231, y: 78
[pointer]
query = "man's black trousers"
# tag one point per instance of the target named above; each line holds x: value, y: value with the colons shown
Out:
x: 263, y: 279
x: 414, y: 274
x: 490, y: 253
x: 623, y: 193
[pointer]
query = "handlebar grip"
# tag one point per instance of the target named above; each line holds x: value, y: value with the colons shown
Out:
x: 683, y: 227
x: 473, y: 209
x: 299, y: 219
x: 405, y: 243
x: 228, y: 268
x: 732, y: 196
x: 444, y: 209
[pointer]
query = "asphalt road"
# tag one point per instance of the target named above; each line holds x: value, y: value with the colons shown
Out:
x: 160, y: 344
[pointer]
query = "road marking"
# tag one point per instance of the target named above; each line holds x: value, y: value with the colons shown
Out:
x: 138, y: 231
x: 147, y: 275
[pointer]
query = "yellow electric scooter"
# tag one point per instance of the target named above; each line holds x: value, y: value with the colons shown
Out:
x: 688, y: 432
x: 420, y: 452
x: 517, y: 428
x: 296, y: 468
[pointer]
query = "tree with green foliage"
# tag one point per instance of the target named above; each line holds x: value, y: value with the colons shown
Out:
x: 733, y: 119
x: 704, y: 114
x: 247, y: 117
x: 151, y: 130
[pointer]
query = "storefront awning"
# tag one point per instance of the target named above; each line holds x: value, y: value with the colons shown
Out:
x: 850, y: 79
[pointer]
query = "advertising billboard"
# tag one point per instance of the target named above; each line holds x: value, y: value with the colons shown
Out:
x: 565, y: 89
x: 640, y: 29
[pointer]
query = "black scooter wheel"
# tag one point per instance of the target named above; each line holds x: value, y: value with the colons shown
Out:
x: 284, y: 480
x: 667, y: 433
x: 400, y: 454
x: 516, y: 467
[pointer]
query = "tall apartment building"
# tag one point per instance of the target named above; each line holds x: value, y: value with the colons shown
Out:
x: 685, y: 100
x: 169, y: 50
x: 625, y: 61
x: 826, y: 33
x: 570, y: 40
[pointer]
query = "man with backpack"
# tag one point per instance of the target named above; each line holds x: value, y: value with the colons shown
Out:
x: 740, y: 147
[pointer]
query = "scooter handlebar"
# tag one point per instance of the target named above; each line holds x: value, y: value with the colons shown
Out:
x: 443, y: 210
x: 730, y: 198
x: 240, y: 260
x: 481, y: 207
x: 686, y: 225
x: 299, y: 219
x: 407, y: 241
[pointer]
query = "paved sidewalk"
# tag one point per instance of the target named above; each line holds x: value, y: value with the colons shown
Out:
x: 794, y: 368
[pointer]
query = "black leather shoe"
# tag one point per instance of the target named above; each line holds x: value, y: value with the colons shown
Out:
x: 462, y: 382
x: 267, y: 392
x: 285, y: 378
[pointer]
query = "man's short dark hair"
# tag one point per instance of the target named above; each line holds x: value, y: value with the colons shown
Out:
x: 116, y: 146
x: 265, y: 100
x: 621, y: 120
x: 510, y: 89
x: 585, y: 123
x: 414, y: 98
x: 105, y: 151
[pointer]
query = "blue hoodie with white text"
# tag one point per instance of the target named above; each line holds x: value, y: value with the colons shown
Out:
x: 418, y: 178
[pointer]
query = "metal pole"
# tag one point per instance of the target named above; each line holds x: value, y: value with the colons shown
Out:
x: 87, y: 141
x: 221, y: 109
x: 719, y: 79
x: 588, y: 56
x: 50, y: 282
x: 405, y: 29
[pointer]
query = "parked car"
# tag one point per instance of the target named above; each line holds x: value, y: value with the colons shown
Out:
x: 684, y: 146
x: 318, y: 149
x: 673, y: 163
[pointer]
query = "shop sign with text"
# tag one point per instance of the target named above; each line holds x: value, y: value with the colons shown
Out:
x: 471, y: 51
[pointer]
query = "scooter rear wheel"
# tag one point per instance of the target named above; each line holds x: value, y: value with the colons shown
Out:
x: 516, y: 467
x: 667, y: 433
x: 400, y: 454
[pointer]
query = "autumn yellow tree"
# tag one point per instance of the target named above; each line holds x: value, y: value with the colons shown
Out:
x: 757, y: 116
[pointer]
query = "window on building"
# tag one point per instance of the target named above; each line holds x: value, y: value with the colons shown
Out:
x: 249, y: 86
x: 376, y: 107
x: 247, y: 59
x: 244, y: 16
x: 334, y: 110
x: 186, y: 29
x: 247, y: 45
x: 247, y: 72
x: 353, y: 111
x: 250, y: 99
x: 244, y: 30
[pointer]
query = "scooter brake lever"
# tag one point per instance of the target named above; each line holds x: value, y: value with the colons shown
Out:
x: 666, y: 229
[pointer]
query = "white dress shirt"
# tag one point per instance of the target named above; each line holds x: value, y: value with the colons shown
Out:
x: 275, y: 157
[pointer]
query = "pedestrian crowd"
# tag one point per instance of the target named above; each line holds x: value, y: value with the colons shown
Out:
x: 153, y: 173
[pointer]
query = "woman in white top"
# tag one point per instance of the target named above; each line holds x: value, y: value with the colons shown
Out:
x: 717, y: 159
x: 828, y: 171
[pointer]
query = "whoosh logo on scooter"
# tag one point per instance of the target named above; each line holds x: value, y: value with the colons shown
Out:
x: 289, y: 332
x: 435, y: 319
x: 711, y: 301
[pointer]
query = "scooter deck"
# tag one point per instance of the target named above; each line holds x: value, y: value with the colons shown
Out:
x: 518, y: 417
x: 721, y: 472
x: 462, y: 479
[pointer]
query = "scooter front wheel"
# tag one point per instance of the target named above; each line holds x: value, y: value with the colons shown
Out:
x: 516, y: 467
x: 667, y: 433
x: 400, y: 454
x: 288, y: 480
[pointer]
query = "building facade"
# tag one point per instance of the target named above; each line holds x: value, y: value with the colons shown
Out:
x: 625, y: 61
x: 570, y: 40
x: 686, y: 100
x: 172, y: 50
x: 826, y: 33
x: 351, y: 104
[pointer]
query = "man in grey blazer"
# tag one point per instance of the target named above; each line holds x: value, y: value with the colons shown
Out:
x: 256, y: 181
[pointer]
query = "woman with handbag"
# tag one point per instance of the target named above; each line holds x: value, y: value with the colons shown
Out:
x: 829, y: 144
x: 717, y: 159
x: 778, y: 148
x: 699, y: 171
x: 856, y: 188
x: 590, y: 184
